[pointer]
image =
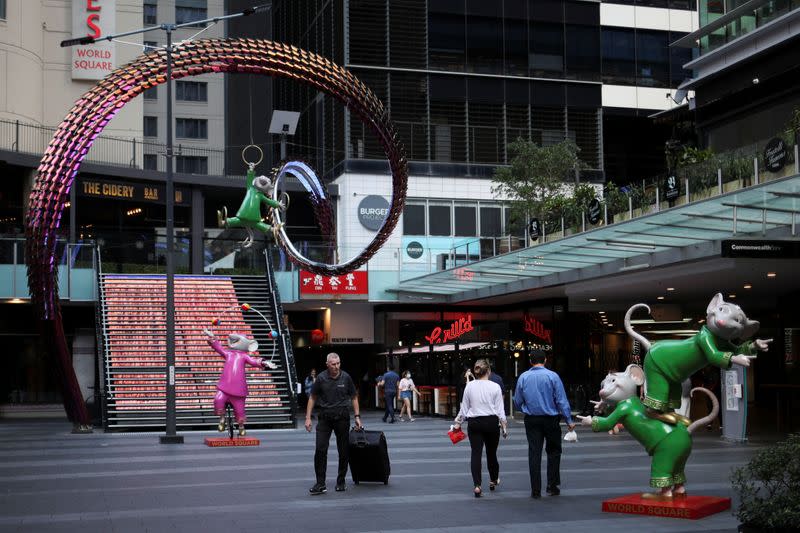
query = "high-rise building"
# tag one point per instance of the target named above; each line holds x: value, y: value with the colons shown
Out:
x: 464, y: 78
x: 746, y: 75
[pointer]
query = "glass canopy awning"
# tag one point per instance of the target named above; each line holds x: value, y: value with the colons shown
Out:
x: 769, y: 209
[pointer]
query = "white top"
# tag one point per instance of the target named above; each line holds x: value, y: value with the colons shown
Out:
x: 482, y: 397
x: 406, y: 384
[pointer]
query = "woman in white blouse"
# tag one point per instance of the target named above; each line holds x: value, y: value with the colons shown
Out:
x: 482, y: 408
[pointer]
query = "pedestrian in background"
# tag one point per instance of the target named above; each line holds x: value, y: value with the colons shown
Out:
x: 333, y: 392
x: 389, y: 382
x: 482, y: 408
x: 307, y: 384
x: 540, y: 395
x: 407, y: 390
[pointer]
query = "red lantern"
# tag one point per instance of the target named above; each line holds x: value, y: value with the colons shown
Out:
x: 317, y: 336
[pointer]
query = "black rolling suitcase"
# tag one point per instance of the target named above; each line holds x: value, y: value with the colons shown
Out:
x: 369, y: 456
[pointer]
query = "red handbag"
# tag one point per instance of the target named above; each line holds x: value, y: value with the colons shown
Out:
x: 456, y: 435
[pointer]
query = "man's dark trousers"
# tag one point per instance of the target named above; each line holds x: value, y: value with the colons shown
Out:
x: 389, y: 399
x: 338, y: 423
x: 539, y: 430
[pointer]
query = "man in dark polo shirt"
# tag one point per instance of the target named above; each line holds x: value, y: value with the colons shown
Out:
x: 332, y: 392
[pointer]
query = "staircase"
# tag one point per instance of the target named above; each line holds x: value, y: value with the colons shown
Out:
x: 132, y: 313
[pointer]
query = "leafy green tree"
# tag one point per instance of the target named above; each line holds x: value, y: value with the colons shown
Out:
x: 535, y: 175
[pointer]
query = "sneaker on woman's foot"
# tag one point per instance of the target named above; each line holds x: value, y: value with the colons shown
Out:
x: 318, y: 489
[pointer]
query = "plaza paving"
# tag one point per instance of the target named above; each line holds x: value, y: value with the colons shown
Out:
x: 54, y: 481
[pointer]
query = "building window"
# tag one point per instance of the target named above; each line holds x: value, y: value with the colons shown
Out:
x: 619, y: 56
x: 652, y: 50
x: 150, y: 94
x: 2, y: 9
x: 446, y: 35
x: 484, y: 37
x: 191, y: 164
x: 149, y: 46
x: 466, y: 221
x: 150, y: 162
x: 414, y: 219
x: 191, y: 91
x: 190, y: 10
x: 547, y: 49
x: 439, y: 220
x: 150, y: 127
x: 191, y: 128
x: 150, y: 11
x: 490, y: 222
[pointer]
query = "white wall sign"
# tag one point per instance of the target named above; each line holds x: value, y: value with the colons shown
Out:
x: 731, y: 400
x: 93, y: 18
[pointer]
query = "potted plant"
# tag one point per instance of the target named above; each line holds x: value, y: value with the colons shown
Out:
x: 769, y: 489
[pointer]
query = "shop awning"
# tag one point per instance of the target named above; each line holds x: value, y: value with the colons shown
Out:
x: 436, y: 348
x: 684, y: 233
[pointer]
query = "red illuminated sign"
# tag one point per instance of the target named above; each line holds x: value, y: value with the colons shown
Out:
x: 351, y: 283
x: 537, y: 329
x: 457, y: 328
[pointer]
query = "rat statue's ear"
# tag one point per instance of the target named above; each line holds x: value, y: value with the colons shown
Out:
x: 252, y: 347
x: 716, y: 301
x: 636, y: 374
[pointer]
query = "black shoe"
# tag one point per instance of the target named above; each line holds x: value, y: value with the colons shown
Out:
x: 392, y: 421
x: 536, y: 495
x: 384, y: 419
x: 318, y: 489
x: 341, y: 487
x: 553, y: 491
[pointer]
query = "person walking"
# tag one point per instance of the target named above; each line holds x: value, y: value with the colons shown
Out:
x: 482, y: 408
x: 333, y: 392
x: 540, y: 395
x: 389, y: 381
x: 407, y: 390
x: 307, y: 384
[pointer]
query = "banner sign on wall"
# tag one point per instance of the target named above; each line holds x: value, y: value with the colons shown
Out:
x: 760, y: 249
x: 93, y: 18
x: 316, y: 285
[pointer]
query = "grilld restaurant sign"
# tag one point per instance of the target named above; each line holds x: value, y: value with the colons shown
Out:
x: 457, y: 328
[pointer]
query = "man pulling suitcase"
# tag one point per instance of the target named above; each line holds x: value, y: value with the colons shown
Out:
x: 333, y: 391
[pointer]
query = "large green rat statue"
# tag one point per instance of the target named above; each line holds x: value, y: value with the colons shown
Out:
x: 669, y: 445
x: 669, y: 362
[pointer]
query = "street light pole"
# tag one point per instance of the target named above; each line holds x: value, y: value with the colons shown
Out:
x: 170, y: 436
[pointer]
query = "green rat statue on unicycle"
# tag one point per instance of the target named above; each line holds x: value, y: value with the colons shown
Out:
x: 259, y: 190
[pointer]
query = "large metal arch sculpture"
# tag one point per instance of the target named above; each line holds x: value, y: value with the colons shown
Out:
x: 93, y: 111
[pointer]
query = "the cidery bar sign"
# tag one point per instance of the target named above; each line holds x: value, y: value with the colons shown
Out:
x: 95, y: 19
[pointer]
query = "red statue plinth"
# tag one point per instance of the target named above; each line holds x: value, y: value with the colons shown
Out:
x: 215, y: 442
x: 690, y: 507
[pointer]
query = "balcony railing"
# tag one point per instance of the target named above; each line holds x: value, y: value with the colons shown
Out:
x: 141, y: 154
x: 77, y: 267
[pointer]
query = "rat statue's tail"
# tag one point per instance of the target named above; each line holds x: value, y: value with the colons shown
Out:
x: 644, y: 342
x: 711, y: 416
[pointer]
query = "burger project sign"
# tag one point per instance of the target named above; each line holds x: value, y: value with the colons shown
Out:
x: 372, y: 211
x: 95, y: 19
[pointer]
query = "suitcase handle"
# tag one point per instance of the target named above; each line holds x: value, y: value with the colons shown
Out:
x: 361, y: 437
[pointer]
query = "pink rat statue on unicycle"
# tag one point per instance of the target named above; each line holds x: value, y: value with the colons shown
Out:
x: 232, y: 384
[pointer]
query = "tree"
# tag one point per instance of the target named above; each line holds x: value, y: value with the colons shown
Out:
x: 535, y: 175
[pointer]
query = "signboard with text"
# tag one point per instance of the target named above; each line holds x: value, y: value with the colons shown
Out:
x: 760, y: 249
x: 134, y: 192
x: 96, y: 19
x: 351, y: 284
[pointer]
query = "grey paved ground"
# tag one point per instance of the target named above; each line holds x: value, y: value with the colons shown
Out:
x: 54, y: 481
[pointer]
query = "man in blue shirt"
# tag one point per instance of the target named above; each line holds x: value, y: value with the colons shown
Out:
x: 389, y: 381
x: 540, y: 395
